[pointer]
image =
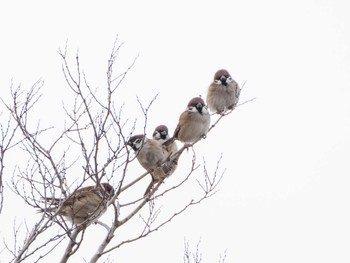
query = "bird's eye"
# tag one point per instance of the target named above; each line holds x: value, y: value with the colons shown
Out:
x: 192, y: 108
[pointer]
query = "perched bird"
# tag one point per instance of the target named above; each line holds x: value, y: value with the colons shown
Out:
x: 85, y: 205
x: 193, y: 123
x: 223, y: 92
x: 149, y: 152
x: 152, y: 156
x: 161, y: 134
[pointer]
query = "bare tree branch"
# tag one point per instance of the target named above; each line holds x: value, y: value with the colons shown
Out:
x: 93, y: 142
x: 197, y: 256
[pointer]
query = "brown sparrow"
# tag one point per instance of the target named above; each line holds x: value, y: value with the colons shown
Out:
x: 85, y: 205
x: 161, y: 134
x: 223, y: 92
x: 193, y: 123
x: 152, y: 156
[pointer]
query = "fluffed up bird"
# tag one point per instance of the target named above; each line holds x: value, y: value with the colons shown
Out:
x: 223, y: 92
x: 193, y: 123
x: 85, y: 205
x: 153, y: 157
x: 161, y: 134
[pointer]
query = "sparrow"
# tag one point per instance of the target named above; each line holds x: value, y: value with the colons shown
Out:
x: 223, y: 92
x: 85, y: 205
x: 152, y: 156
x: 193, y: 123
x: 161, y: 134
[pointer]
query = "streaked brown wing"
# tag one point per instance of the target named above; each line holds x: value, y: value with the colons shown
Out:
x: 177, y: 130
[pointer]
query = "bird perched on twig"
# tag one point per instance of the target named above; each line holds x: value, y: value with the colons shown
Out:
x: 223, y: 92
x: 153, y: 157
x: 85, y: 205
x: 161, y: 134
x: 193, y: 123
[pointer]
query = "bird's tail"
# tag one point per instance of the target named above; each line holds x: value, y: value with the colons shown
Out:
x: 51, y: 204
x: 51, y: 200
x: 149, y: 188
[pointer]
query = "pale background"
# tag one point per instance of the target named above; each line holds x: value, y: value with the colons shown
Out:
x: 285, y: 195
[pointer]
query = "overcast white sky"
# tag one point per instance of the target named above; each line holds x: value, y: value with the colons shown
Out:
x: 285, y: 195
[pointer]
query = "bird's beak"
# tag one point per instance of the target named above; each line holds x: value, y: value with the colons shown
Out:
x: 132, y: 145
x: 163, y: 134
x: 199, y: 107
x: 129, y: 143
x: 223, y: 80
